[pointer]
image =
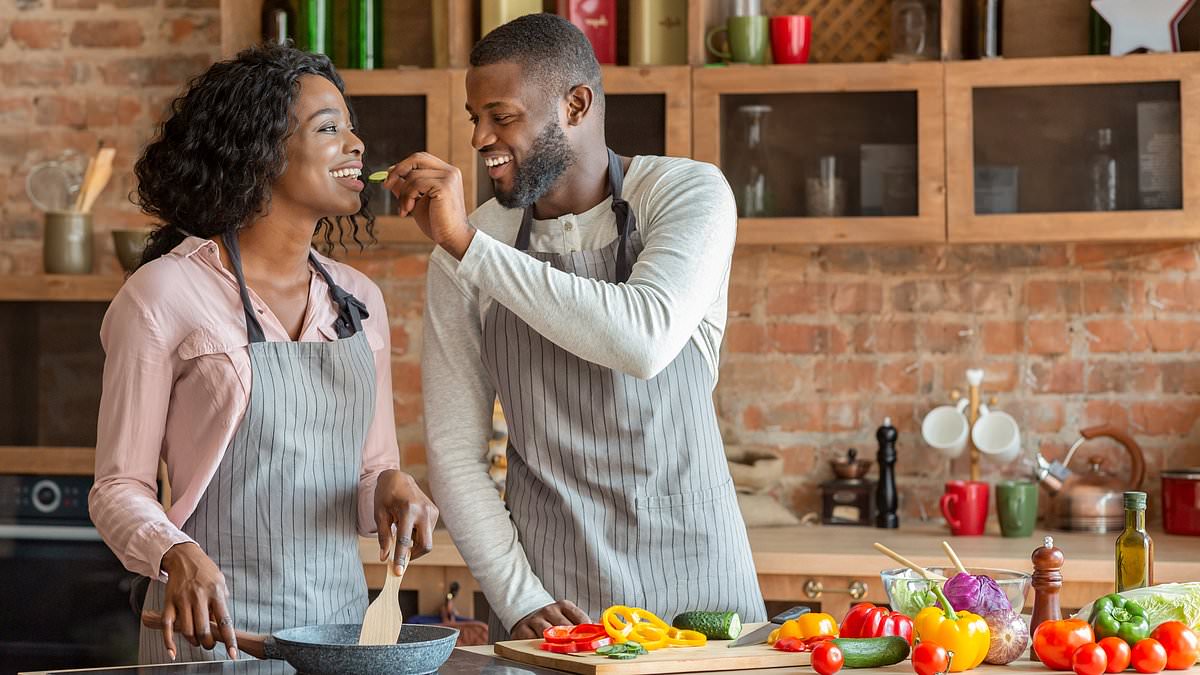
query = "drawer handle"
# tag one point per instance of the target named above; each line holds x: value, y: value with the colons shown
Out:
x: 814, y: 588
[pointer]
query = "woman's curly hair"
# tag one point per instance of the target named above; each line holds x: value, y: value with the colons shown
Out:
x: 223, y: 145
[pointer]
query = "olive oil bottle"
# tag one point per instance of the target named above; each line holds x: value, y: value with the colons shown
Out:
x: 1135, y: 549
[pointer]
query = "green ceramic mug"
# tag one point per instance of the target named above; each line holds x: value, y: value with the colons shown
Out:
x: 749, y: 39
x: 1017, y: 507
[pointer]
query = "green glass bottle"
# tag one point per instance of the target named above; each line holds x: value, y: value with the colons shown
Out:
x: 1135, y: 549
x: 1099, y: 33
x: 316, y: 26
x: 366, y: 34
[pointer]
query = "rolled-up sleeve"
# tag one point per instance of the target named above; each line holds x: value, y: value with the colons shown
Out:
x: 137, y: 382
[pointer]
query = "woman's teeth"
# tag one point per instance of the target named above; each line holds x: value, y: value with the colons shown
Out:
x: 496, y: 161
x: 346, y: 173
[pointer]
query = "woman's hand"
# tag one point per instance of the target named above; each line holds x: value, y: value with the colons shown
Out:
x: 399, y: 502
x: 196, y: 594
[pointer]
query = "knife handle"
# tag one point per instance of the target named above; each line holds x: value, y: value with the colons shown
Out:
x: 788, y: 615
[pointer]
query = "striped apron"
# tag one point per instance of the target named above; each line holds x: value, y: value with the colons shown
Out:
x: 279, y: 516
x: 618, y: 487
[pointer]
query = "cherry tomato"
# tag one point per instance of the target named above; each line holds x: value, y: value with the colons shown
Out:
x: 1117, y: 651
x: 1180, y: 642
x: 1148, y: 656
x: 930, y: 659
x: 827, y: 658
x: 1089, y: 659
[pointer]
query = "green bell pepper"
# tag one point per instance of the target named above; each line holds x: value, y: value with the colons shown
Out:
x: 1114, y: 616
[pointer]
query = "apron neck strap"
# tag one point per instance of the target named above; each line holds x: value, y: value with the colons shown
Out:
x: 626, y: 222
x: 254, y: 330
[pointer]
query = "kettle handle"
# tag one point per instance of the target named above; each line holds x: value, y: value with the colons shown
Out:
x: 1136, y: 458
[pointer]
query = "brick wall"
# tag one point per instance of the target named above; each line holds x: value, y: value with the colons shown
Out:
x: 823, y: 342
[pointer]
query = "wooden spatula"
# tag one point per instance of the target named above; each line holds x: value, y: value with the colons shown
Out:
x: 98, y: 179
x: 381, y: 625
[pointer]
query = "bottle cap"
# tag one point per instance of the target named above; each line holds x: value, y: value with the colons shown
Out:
x: 1135, y: 500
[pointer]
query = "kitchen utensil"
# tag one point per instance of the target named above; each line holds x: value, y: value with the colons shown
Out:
x: 384, y: 619
x: 921, y: 571
x: 850, y: 466
x: 791, y: 38
x: 945, y: 428
x: 965, y: 507
x: 1016, y: 507
x: 997, y: 435
x: 712, y: 657
x: 848, y: 501
x: 67, y: 243
x: 50, y: 186
x: 128, y: 245
x: 953, y: 557
x: 1181, y: 501
x: 749, y: 39
x: 908, y: 593
x: 332, y: 649
x: 1091, y: 501
x: 95, y: 183
x: 760, y: 634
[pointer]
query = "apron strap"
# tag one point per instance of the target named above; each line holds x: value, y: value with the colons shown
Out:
x: 626, y: 221
x: 351, y: 310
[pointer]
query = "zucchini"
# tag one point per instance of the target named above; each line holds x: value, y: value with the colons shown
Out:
x: 872, y: 652
x: 714, y: 625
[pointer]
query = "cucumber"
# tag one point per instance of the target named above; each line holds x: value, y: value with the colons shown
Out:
x: 872, y: 652
x: 714, y: 625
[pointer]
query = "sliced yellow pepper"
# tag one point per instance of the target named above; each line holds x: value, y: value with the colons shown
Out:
x: 808, y: 625
x: 649, y: 636
x: 632, y: 623
x: 963, y: 633
x: 618, y: 622
x: 686, y: 638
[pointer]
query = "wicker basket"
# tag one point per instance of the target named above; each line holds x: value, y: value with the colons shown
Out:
x: 844, y: 31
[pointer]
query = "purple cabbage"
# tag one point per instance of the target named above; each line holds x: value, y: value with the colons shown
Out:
x: 976, y: 594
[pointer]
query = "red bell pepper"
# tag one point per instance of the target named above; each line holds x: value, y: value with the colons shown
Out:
x: 796, y: 644
x: 586, y: 637
x: 865, y: 620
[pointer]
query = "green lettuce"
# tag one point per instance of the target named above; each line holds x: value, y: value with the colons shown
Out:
x: 1164, y: 602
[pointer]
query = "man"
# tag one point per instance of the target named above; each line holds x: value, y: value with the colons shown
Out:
x: 590, y: 296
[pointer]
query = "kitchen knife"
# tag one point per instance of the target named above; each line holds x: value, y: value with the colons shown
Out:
x: 760, y: 635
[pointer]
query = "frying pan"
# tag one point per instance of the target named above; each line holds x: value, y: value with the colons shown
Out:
x: 334, y: 648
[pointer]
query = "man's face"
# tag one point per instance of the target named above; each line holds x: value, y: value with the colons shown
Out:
x: 518, y: 132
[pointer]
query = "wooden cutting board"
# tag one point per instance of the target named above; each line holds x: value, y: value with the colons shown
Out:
x: 714, y: 656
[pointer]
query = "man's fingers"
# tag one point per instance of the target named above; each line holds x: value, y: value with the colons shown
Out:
x: 417, y: 161
x: 522, y: 631
x: 168, y: 631
x: 220, y: 614
x: 574, y: 614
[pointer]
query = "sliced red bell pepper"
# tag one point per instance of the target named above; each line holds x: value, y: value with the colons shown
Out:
x: 559, y: 647
x: 592, y: 645
x: 796, y: 644
x: 865, y: 620
x: 587, y: 631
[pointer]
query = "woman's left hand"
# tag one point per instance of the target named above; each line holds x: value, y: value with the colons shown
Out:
x: 399, y: 502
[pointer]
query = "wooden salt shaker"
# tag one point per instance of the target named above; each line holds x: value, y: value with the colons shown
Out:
x: 1047, y: 582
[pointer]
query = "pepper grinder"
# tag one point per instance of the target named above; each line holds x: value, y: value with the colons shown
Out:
x: 1047, y: 582
x: 885, y: 491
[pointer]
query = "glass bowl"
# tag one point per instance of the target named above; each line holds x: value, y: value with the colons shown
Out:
x: 908, y: 594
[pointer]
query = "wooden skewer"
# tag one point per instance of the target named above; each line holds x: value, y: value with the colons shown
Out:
x: 925, y: 574
x: 954, y: 557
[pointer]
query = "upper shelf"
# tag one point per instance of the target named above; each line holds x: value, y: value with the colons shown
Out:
x: 59, y: 287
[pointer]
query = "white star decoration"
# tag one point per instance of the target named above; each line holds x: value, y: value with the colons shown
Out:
x: 1143, y: 24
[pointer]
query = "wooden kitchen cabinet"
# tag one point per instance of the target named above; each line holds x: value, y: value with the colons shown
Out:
x: 881, y: 123
x: 1023, y: 158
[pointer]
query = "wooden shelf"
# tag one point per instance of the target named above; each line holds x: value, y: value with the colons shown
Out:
x: 46, y: 460
x: 59, y: 287
x: 397, y: 230
x: 859, y: 230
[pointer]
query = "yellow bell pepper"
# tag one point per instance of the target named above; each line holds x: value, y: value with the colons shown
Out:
x: 624, y: 624
x: 808, y: 625
x: 963, y: 633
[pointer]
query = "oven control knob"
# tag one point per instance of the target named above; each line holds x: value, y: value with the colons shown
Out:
x: 47, y: 496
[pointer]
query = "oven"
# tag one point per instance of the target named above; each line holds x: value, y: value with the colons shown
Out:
x: 64, y: 597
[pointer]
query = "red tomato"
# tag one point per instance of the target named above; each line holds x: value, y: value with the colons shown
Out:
x: 1089, y: 659
x: 1148, y: 656
x: 930, y: 659
x: 1117, y: 651
x: 1180, y: 642
x: 827, y: 658
x: 1054, y: 642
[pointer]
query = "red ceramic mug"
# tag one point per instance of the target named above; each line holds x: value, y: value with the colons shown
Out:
x: 965, y: 506
x: 791, y: 38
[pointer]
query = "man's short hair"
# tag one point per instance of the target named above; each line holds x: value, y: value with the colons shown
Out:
x: 550, y: 49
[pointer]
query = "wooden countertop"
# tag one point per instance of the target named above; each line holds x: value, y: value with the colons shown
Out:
x: 847, y: 551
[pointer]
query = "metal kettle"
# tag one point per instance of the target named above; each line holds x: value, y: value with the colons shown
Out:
x: 1092, y: 500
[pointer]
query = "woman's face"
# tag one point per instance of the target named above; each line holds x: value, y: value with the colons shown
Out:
x: 324, y: 156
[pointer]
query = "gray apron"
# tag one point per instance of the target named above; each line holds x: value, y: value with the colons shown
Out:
x: 618, y: 487
x: 279, y: 516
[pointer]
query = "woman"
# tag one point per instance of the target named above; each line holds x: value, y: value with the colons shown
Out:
x: 258, y: 370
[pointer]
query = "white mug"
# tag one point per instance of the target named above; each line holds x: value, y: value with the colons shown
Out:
x: 945, y: 429
x: 997, y: 435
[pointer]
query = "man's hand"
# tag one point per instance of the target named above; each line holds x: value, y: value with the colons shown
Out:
x: 561, y: 613
x: 399, y: 501
x: 431, y: 191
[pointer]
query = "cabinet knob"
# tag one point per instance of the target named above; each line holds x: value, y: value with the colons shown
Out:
x: 813, y: 588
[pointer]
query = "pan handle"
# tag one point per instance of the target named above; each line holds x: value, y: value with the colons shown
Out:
x: 258, y: 646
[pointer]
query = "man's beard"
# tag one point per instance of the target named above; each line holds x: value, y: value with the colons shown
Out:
x: 543, y: 165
